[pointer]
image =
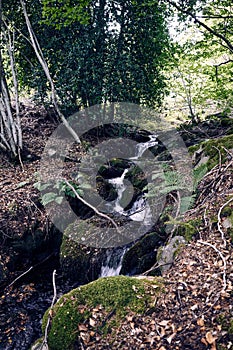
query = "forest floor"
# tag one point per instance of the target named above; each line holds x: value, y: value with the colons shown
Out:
x: 195, y: 310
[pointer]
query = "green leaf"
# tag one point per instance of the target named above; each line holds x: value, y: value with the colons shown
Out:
x: 22, y: 184
x: 85, y: 186
x: 48, y: 198
x: 41, y: 187
x: 59, y: 199
x: 186, y: 203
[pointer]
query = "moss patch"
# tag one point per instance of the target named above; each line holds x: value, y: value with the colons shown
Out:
x: 188, y: 229
x: 211, y: 148
x: 118, y: 294
x: 227, y: 325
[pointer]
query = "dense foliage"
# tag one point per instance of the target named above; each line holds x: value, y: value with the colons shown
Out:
x: 97, y: 51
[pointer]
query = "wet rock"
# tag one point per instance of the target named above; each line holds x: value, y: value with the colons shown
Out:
x: 142, y: 255
x: 79, y: 263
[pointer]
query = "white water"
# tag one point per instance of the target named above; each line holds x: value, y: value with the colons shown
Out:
x: 142, y: 147
x: 119, y: 185
x: 140, y: 211
x: 113, y: 263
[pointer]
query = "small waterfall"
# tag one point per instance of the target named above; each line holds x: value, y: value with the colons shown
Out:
x: 113, y: 263
x: 140, y: 211
x: 142, y: 147
x: 119, y: 185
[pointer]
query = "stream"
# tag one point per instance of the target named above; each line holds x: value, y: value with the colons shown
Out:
x: 23, y: 305
x: 140, y: 210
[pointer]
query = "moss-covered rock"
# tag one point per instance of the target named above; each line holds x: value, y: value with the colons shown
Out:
x: 212, y: 149
x: 188, y: 229
x: 80, y: 263
x: 226, y: 324
x: 142, y: 255
x: 83, y: 307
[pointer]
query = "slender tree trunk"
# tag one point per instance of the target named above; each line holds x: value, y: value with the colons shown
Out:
x: 10, y: 129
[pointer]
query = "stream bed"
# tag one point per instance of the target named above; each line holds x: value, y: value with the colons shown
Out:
x: 23, y: 304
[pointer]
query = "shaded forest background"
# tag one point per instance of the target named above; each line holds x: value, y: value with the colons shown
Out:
x: 175, y: 56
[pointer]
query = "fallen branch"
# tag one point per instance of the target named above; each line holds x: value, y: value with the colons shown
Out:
x: 30, y: 268
x: 91, y: 206
x: 20, y: 276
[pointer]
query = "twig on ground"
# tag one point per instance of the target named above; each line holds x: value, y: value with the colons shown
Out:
x: 44, y: 344
x: 30, y: 268
x: 20, y: 276
x: 224, y: 262
x: 227, y: 151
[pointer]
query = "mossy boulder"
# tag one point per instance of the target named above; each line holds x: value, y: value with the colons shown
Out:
x: 226, y: 324
x: 98, y: 308
x: 142, y: 255
x: 211, y: 151
x: 80, y: 263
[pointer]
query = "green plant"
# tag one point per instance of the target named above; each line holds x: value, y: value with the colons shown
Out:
x: 56, y: 192
x: 118, y: 295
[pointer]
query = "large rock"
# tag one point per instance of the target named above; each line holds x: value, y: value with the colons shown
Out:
x: 96, y: 309
x: 80, y: 264
x: 208, y: 152
x: 142, y: 255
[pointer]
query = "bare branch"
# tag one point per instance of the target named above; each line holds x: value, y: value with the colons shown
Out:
x: 202, y: 24
x: 20, y: 276
x: 41, y: 59
x: 44, y: 345
x: 91, y: 206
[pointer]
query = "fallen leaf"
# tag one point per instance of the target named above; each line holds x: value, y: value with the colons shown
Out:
x: 200, y: 322
x: 82, y: 327
x: 164, y: 323
x: 204, y: 341
x: 209, y: 337
x: 169, y: 339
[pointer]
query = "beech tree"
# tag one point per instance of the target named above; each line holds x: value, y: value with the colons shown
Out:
x: 202, y: 65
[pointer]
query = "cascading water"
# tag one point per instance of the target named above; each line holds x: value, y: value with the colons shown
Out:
x: 142, y: 147
x: 113, y: 263
x: 140, y: 210
x: 120, y: 187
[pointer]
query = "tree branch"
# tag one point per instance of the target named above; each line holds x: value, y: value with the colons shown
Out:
x: 224, y: 262
x: 202, y: 24
x: 41, y: 59
x: 91, y: 206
